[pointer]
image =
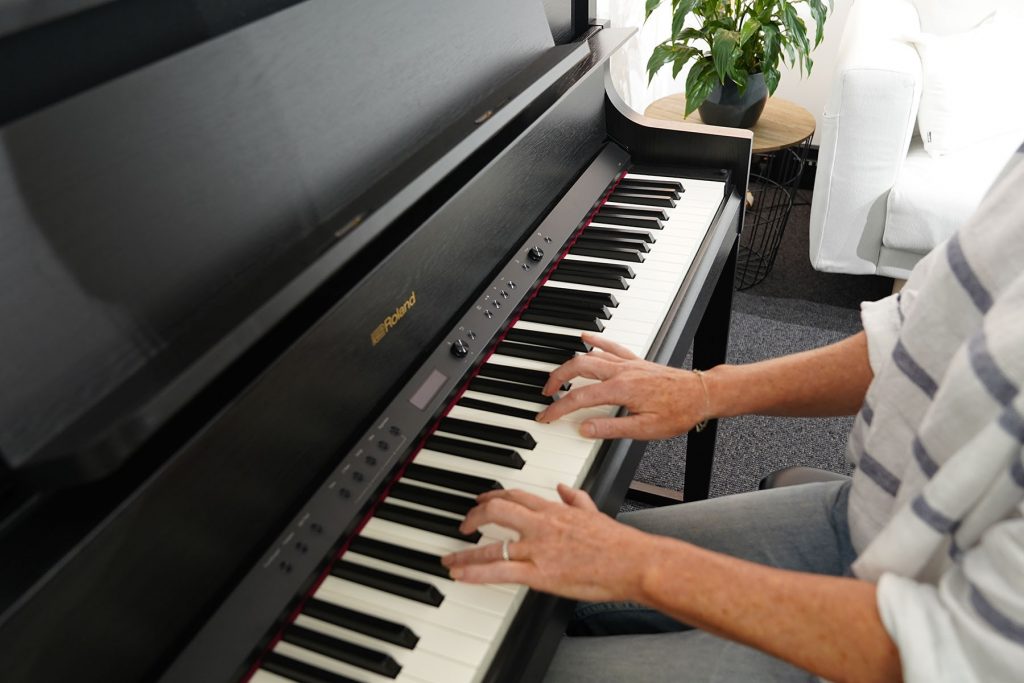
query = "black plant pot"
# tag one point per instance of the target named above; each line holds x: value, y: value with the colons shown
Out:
x: 725, y: 106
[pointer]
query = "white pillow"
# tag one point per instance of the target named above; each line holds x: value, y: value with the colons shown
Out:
x: 942, y: 17
x: 969, y: 91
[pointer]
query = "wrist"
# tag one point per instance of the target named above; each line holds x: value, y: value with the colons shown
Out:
x: 712, y: 386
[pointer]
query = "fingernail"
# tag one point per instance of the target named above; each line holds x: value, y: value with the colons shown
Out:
x: 588, y: 430
x: 455, y: 574
x: 541, y: 416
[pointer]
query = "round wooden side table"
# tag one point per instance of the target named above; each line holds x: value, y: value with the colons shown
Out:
x: 782, y: 137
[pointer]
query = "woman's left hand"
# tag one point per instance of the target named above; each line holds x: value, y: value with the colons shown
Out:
x: 569, y: 549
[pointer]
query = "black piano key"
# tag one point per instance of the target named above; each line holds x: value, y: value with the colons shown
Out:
x: 552, y: 318
x: 649, y: 187
x: 439, y: 500
x: 638, y: 235
x: 597, y: 268
x: 425, y: 521
x: 630, y: 255
x: 300, y: 671
x: 374, y: 627
x: 592, y: 280
x: 456, y: 481
x: 574, y: 309
x: 498, y: 408
x: 530, y: 352
x: 612, y: 243
x: 639, y: 199
x: 666, y: 183
x: 403, y: 557
x: 504, y: 457
x: 502, y: 435
x: 635, y: 211
x: 551, y: 339
x: 497, y: 387
x: 574, y: 295
x: 363, y: 657
x: 534, y: 378
x: 420, y: 591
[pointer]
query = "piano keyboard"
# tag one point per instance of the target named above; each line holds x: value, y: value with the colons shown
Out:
x: 387, y: 611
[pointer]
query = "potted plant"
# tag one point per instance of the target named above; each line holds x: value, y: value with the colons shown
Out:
x: 735, y: 48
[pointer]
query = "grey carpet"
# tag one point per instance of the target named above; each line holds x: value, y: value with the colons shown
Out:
x: 793, y: 309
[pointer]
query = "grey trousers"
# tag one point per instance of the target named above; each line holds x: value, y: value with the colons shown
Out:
x: 802, y: 528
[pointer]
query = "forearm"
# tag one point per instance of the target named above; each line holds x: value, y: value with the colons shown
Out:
x: 827, y: 625
x: 831, y: 380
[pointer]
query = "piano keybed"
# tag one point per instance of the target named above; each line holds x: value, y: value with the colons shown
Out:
x: 387, y: 611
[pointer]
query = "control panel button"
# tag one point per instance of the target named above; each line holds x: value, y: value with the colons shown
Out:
x: 394, y: 430
x: 511, y: 284
x: 535, y: 254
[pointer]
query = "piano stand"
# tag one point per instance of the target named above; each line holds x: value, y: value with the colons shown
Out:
x: 709, y: 349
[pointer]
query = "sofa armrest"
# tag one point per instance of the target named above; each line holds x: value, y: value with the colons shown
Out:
x: 866, y: 130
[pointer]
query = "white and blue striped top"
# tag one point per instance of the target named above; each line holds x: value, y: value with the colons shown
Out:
x: 938, y: 494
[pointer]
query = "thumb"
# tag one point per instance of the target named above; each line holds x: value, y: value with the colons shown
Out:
x: 642, y: 426
x: 576, y: 498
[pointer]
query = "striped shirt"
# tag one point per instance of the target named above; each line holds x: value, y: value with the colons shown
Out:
x: 938, y: 493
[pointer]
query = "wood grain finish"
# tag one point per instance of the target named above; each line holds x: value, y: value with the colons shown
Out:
x: 782, y: 124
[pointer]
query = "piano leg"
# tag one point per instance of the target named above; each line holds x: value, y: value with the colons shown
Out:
x: 709, y: 349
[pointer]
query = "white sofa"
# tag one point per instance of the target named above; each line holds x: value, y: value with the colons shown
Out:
x: 883, y: 198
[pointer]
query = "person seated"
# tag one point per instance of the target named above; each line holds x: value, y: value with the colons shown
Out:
x: 913, y: 570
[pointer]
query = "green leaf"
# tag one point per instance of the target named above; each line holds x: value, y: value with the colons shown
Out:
x: 662, y: 55
x: 771, y: 43
x: 650, y: 7
x: 680, y: 10
x: 750, y: 28
x: 771, y: 78
x: 699, y: 83
x: 796, y: 30
x: 724, y: 51
x: 681, y: 58
x: 819, y: 11
x: 739, y: 77
x: 689, y: 34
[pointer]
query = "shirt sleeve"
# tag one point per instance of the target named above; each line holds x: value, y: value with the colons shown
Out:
x: 883, y: 319
x: 970, y: 627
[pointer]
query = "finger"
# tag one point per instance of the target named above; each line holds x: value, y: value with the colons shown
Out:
x: 586, y: 365
x: 578, y: 398
x: 576, y: 498
x: 605, y: 344
x: 527, y: 500
x: 643, y: 426
x: 502, y: 512
x: 492, y: 552
x: 496, y: 572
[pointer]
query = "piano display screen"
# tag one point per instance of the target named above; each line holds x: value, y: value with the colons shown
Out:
x: 428, y: 389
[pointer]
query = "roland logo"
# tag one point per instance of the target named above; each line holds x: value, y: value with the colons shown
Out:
x: 389, y: 322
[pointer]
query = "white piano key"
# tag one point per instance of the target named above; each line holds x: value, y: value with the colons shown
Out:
x: 495, y: 599
x: 533, y: 479
x: 435, y: 635
x: 458, y: 617
x: 421, y: 664
x: 554, y: 459
x: 332, y: 665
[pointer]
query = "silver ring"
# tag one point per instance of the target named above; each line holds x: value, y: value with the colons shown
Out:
x: 504, y: 551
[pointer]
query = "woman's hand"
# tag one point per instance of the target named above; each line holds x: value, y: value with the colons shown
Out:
x: 569, y: 549
x: 662, y: 402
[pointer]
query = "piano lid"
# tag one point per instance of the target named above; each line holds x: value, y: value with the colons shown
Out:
x: 155, y: 226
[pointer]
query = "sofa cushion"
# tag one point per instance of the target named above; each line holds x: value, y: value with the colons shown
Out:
x: 965, y: 97
x: 932, y: 198
x: 942, y: 17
